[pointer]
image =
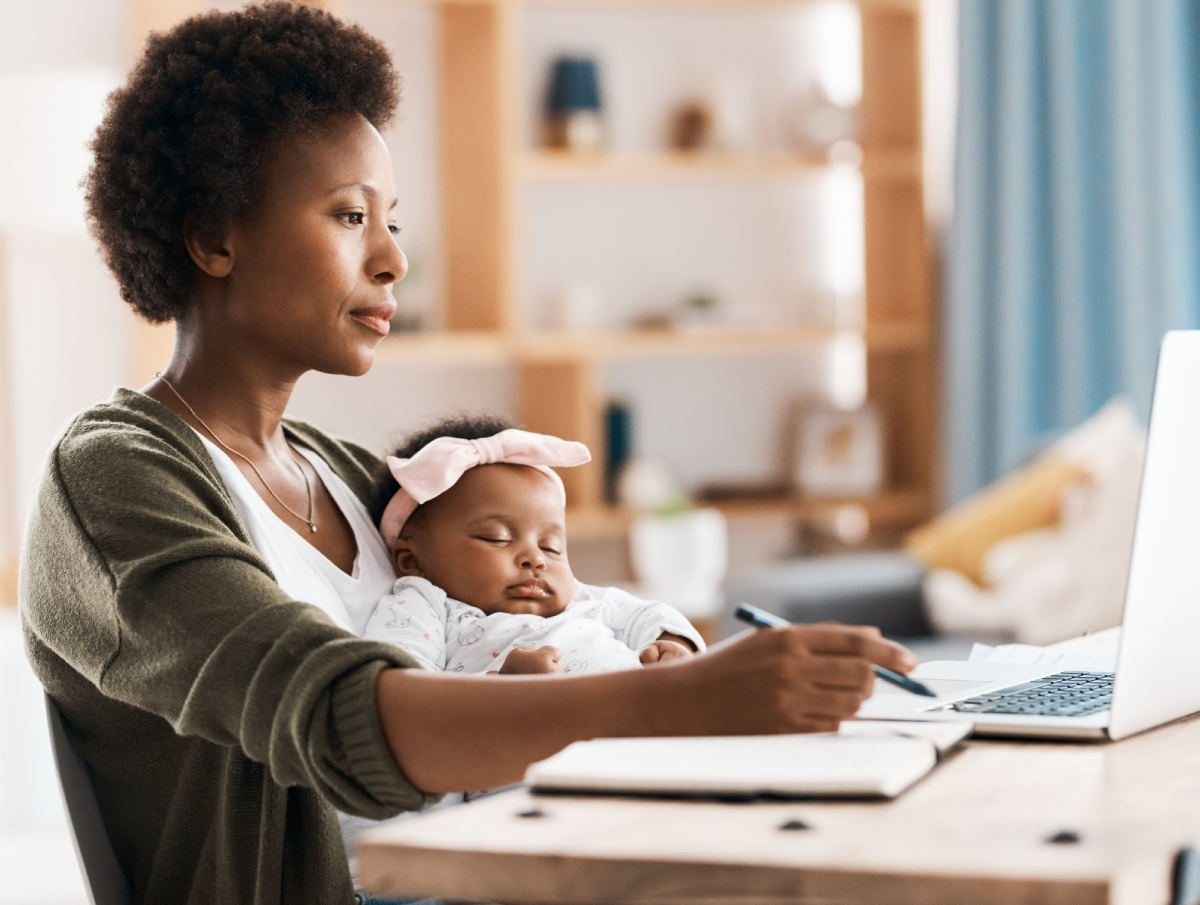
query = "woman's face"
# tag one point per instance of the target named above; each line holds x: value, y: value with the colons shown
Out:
x: 312, y: 262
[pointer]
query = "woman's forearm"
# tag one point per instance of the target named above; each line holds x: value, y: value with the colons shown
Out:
x: 452, y: 733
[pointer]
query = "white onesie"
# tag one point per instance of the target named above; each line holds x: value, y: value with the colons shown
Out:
x: 602, y: 629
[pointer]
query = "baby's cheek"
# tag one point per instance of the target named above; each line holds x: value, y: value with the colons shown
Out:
x: 566, y: 585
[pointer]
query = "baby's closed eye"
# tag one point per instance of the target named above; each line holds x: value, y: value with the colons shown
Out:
x: 492, y: 539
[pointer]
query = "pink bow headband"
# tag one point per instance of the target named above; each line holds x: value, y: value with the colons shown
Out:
x: 439, y: 464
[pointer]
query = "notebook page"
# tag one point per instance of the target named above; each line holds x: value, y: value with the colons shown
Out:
x: 820, y: 765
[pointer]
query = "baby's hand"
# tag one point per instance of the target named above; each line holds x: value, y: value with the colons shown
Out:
x: 662, y: 650
x: 527, y: 661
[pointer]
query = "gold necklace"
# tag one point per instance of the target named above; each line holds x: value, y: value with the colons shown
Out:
x: 309, y: 520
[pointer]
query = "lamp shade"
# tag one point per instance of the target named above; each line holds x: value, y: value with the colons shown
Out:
x: 574, y: 85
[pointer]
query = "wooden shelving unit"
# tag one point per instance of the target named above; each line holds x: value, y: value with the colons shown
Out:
x: 550, y: 166
x: 546, y: 166
x: 489, y: 347
x: 889, y: 511
x: 485, y: 163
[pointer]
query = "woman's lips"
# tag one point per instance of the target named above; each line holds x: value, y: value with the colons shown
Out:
x: 375, y: 318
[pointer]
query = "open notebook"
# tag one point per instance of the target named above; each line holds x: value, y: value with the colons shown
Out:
x: 784, y: 766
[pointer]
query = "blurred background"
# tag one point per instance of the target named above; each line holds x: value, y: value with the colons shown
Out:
x: 856, y: 303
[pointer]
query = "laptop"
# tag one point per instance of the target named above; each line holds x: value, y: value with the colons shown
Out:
x: 1157, y: 678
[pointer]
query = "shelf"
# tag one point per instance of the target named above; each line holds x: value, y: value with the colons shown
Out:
x: 563, y: 166
x: 897, y: 509
x: 443, y: 347
x: 659, y: 343
x: 910, y: 6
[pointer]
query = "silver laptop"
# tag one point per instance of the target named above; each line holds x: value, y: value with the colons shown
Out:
x: 1157, y: 675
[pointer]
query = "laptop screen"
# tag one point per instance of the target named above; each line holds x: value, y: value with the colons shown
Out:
x: 1157, y: 675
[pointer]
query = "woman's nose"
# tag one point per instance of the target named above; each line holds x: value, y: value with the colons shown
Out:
x: 388, y: 263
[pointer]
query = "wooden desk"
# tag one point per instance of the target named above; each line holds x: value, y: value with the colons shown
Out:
x: 971, y: 833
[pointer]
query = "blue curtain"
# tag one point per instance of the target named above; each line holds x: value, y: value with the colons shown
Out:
x: 1075, y: 240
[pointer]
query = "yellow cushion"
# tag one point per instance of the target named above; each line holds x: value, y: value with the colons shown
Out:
x: 1024, y: 501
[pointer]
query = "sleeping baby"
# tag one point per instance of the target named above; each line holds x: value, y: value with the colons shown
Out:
x: 475, y: 519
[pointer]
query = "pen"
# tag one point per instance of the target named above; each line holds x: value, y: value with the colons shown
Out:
x: 762, y: 619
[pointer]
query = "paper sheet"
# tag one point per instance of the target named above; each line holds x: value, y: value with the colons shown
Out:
x: 1090, y: 660
x: 943, y: 735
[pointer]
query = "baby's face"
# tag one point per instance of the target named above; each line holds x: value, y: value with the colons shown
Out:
x: 496, y: 540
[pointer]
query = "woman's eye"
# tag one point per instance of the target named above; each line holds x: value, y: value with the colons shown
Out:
x: 394, y: 229
x: 355, y: 218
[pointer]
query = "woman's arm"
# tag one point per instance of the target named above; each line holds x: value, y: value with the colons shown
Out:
x: 138, y: 577
x: 454, y: 733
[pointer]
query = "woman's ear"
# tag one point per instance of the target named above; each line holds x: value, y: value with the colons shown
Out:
x: 215, y: 258
x: 406, y: 559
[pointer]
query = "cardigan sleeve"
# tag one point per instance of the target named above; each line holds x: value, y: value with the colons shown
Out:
x: 138, y: 573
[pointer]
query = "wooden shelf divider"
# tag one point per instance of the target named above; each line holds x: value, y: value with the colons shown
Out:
x: 559, y: 397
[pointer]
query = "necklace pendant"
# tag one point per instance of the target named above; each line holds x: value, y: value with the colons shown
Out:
x: 312, y: 527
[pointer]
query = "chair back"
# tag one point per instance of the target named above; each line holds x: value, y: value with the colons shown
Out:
x: 102, y: 874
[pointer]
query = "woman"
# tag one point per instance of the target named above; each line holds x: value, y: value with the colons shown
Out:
x: 196, y: 564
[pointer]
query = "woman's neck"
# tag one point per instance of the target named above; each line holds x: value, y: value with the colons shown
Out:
x: 240, y: 398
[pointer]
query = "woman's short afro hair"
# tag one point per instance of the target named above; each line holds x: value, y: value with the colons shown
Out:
x: 187, y: 135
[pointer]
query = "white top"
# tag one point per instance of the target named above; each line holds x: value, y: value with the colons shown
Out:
x: 301, y: 569
x: 601, y: 629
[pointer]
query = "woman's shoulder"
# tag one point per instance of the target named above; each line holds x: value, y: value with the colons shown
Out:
x: 111, y: 433
x: 127, y: 456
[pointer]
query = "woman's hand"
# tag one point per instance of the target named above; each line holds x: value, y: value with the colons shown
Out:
x: 806, y: 678
x: 450, y: 732
x: 532, y: 661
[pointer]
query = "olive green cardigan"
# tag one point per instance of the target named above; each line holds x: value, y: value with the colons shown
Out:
x: 222, y: 722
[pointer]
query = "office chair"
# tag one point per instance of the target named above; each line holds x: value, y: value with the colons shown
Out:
x: 106, y: 884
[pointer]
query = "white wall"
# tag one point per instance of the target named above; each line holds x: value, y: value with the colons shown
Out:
x: 409, y: 30
x: 68, y: 335
x: 939, y: 61
x: 716, y: 419
x: 64, y: 340
x: 392, y: 400
x: 63, y: 34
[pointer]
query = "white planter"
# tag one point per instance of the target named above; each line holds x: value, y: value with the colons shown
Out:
x: 681, y: 559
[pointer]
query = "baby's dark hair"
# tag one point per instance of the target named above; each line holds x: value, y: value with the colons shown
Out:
x: 188, y: 133
x: 462, y: 427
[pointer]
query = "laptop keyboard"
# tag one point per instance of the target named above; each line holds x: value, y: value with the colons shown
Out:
x: 1062, y: 694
